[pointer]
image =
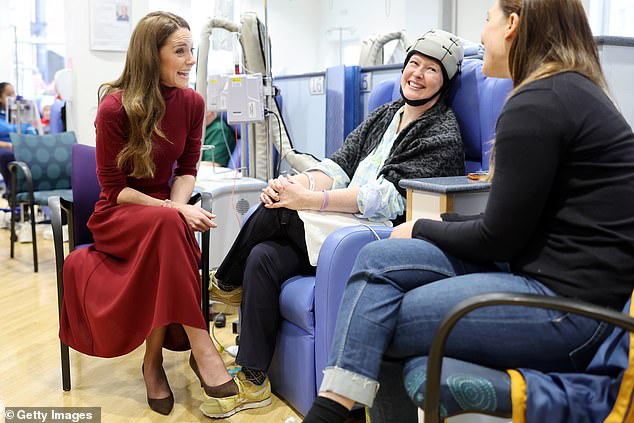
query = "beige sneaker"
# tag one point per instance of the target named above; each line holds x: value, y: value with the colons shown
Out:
x: 249, y: 396
x: 232, y: 298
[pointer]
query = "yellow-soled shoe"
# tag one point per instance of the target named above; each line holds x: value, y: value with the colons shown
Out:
x: 232, y: 298
x: 249, y: 396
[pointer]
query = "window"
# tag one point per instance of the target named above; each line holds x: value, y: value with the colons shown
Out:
x: 611, y: 17
x: 36, y: 46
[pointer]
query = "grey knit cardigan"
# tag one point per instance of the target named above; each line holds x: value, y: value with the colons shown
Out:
x: 430, y: 146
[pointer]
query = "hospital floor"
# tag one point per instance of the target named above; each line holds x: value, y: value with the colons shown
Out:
x: 30, y: 373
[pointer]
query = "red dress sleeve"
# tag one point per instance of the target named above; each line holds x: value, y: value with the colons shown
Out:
x: 186, y: 163
x: 111, y: 127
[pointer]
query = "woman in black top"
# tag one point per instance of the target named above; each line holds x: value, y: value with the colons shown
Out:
x: 559, y: 222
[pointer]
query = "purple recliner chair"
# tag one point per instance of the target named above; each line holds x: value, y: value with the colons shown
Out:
x: 309, y: 304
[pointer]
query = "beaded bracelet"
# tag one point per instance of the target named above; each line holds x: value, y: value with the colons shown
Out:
x: 325, y: 204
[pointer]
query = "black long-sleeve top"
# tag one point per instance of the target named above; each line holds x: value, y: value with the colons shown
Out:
x: 561, y: 205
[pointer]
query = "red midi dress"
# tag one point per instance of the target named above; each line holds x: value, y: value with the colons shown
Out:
x: 141, y: 273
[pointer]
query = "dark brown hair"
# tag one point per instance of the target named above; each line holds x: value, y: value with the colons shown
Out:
x: 553, y: 36
x: 139, y: 84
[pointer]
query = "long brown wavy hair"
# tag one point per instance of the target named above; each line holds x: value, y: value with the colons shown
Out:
x: 553, y: 36
x: 139, y: 84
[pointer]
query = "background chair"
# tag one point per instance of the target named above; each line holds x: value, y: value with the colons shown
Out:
x: 605, y: 388
x: 309, y: 304
x: 42, y: 169
x: 85, y: 188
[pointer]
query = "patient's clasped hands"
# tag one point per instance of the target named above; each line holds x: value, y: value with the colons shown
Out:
x: 288, y: 192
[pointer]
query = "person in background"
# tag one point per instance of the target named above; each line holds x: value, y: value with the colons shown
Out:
x: 415, y: 136
x: 6, y: 128
x: 221, y: 137
x: 140, y: 280
x: 559, y: 222
x: 45, y: 118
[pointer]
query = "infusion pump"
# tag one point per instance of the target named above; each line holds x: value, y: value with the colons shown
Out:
x: 241, y: 96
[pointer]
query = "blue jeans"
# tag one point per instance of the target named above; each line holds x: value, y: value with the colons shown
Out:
x: 398, y: 293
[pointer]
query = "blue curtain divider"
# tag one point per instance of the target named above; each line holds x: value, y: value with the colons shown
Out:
x: 343, y: 104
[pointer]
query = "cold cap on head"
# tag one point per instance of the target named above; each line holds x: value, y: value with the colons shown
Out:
x: 442, y: 46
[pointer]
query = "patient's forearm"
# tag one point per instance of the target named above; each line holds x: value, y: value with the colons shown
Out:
x: 341, y: 200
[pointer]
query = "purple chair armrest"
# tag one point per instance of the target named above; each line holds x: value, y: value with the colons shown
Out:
x: 335, y: 262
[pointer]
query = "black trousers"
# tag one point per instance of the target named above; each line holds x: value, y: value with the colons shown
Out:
x: 269, y: 249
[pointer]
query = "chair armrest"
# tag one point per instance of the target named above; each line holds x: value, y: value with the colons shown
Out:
x: 434, y: 363
x: 205, y: 199
x: 13, y: 168
x: 337, y: 255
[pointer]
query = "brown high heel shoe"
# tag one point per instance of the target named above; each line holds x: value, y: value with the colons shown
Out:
x: 161, y: 405
x: 219, y: 391
x: 194, y: 366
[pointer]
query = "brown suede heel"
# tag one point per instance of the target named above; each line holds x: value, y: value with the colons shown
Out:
x: 161, y: 405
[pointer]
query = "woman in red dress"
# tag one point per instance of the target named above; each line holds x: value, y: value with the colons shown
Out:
x: 140, y: 280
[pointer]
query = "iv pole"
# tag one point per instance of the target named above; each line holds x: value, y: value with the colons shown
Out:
x: 268, y: 87
x: 15, y: 39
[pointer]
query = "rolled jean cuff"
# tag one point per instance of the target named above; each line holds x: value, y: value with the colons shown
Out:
x: 350, y: 385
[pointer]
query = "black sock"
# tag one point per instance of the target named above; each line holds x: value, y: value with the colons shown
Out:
x: 254, y: 375
x: 325, y: 410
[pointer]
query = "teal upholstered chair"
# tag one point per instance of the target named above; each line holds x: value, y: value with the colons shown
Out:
x: 41, y: 169
x: 599, y: 391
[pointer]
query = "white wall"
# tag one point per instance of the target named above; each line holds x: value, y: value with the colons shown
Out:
x: 298, y: 31
x: 90, y: 68
x: 471, y: 15
x: 617, y: 63
x: 93, y: 68
x: 7, y: 72
x: 305, y: 33
x: 362, y: 18
x: 294, y: 30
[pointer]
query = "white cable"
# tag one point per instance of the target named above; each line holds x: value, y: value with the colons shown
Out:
x: 373, y: 231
